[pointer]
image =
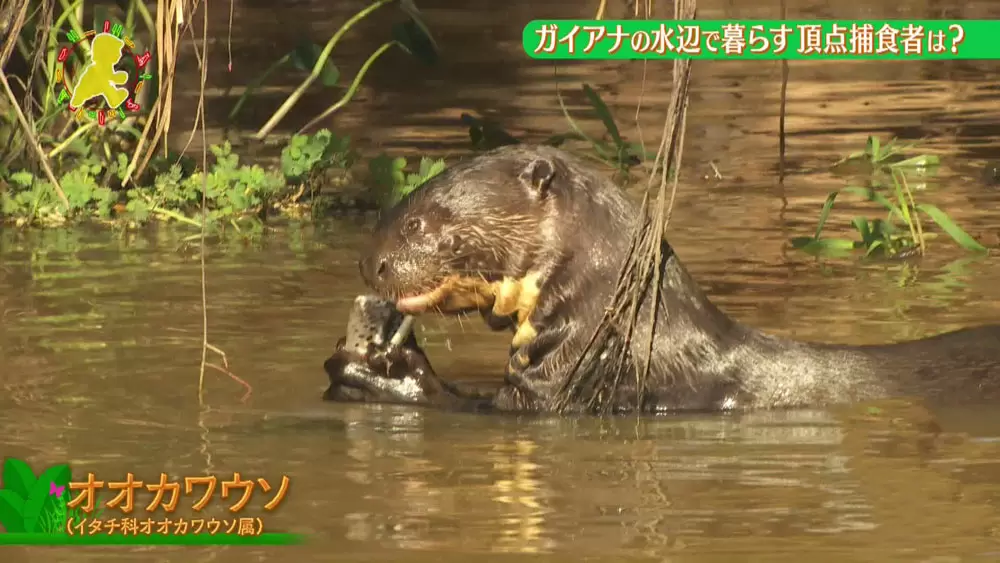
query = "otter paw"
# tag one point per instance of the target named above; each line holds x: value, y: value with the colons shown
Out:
x: 517, y: 363
x: 342, y: 368
x: 393, y: 374
x: 394, y: 362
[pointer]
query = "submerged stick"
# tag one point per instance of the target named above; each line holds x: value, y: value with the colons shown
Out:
x: 404, y: 330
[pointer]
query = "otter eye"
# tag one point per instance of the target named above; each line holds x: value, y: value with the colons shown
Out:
x: 412, y: 225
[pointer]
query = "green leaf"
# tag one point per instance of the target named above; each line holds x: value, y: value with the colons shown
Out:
x: 40, y: 496
x: 486, y: 134
x: 823, y: 246
x: 897, y: 187
x: 383, y: 171
x: 23, y: 178
x: 872, y: 149
x: 949, y: 226
x: 883, y: 231
x: 825, y: 213
x: 414, y: 34
x: 305, y: 56
x: 11, y: 511
x: 135, y: 133
x: 100, y: 14
x: 18, y: 477
x: 430, y: 168
x: 415, y: 40
x: 875, y: 245
x: 861, y: 224
x: 922, y: 161
x: 601, y: 152
x: 872, y: 195
x: 799, y: 242
x: 637, y: 149
x: 852, y: 156
x: 602, y: 111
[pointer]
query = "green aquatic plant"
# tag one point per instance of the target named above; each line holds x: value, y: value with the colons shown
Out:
x: 612, y: 148
x: 29, y: 200
x: 391, y: 180
x: 237, y: 195
x: 232, y: 193
x: 307, y: 156
x: 618, y: 152
x: 889, y: 156
x: 901, y: 232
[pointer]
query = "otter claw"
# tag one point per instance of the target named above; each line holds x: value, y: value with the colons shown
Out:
x: 517, y: 362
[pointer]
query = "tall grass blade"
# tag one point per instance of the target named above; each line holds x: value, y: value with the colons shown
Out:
x: 954, y: 231
x: 605, y: 115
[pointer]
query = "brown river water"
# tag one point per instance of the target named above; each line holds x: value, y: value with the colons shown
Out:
x: 100, y: 335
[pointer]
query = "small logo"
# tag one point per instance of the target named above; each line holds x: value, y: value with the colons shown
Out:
x: 100, y: 90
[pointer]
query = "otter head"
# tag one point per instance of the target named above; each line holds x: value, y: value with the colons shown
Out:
x: 455, y: 243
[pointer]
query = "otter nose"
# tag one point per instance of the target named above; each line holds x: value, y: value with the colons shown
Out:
x: 374, y: 269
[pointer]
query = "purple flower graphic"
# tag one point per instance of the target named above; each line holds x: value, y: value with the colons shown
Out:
x: 54, y: 490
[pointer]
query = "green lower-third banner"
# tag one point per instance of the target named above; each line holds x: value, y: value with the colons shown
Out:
x: 152, y: 539
x: 763, y: 39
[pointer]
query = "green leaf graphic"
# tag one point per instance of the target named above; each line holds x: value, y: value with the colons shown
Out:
x: 18, y: 477
x: 11, y: 505
x: 40, y: 494
x: 58, y: 474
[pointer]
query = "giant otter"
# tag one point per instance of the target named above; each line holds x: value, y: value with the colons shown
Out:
x: 534, y: 239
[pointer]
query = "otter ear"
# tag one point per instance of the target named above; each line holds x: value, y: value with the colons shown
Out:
x: 538, y: 175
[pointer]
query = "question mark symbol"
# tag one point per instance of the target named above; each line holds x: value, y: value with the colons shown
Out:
x: 959, y: 36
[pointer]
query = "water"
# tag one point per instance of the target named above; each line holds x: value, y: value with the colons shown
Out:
x: 100, y: 338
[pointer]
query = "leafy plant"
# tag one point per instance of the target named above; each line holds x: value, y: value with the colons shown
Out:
x: 619, y: 153
x: 890, y: 156
x: 901, y: 232
x: 411, y: 35
x: 393, y: 182
x: 171, y: 188
x: 306, y: 156
x: 32, y: 201
x: 232, y: 192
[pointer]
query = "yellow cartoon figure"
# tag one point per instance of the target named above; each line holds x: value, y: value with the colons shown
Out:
x: 99, y: 77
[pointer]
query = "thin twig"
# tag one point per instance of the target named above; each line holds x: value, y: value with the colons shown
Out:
x: 13, y: 32
x: 236, y: 378
x: 781, y: 117
x: 204, y: 208
x: 600, y: 10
